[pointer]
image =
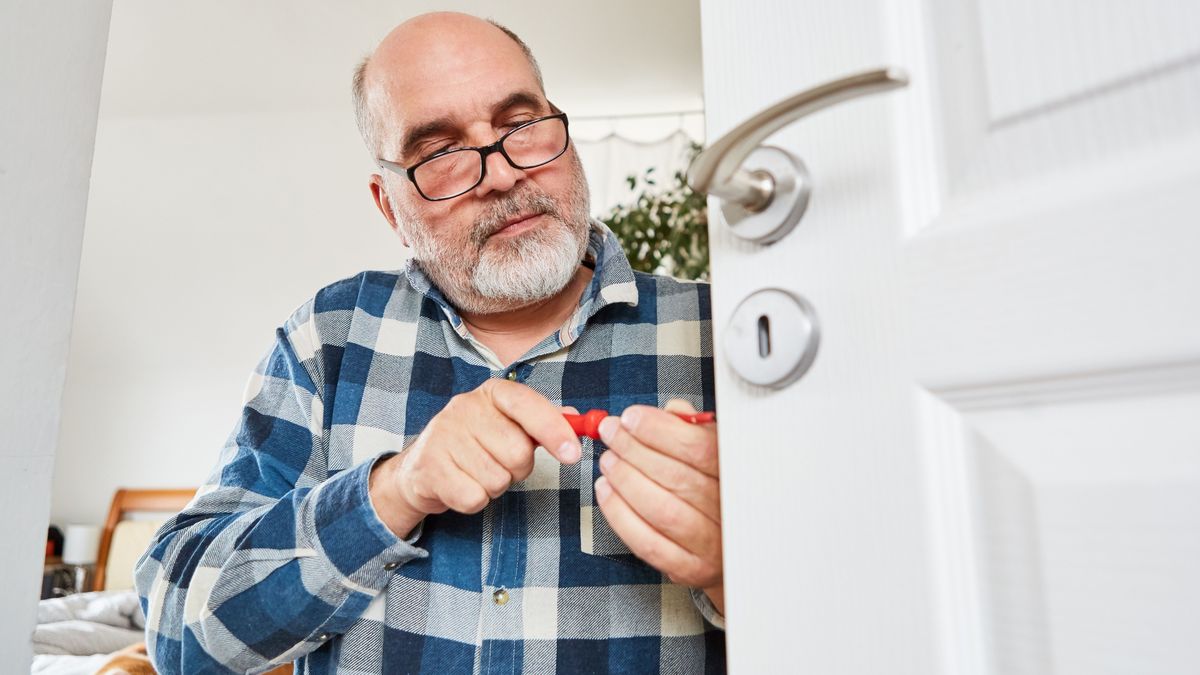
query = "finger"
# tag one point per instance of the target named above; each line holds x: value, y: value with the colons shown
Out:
x: 459, y: 491
x: 650, y: 545
x: 482, y: 467
x: 692, y: 444
x: 689, y: 483
x: 570, y: 409
x: 681, y: 406
x: 665, y: 512
x: 471, y: 422
x: 541, y: 420
x: 439, y: 484
x: 505, y: 441
x: 428, y: 472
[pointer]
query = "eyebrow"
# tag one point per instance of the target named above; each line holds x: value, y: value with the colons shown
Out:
x: 443, y: 125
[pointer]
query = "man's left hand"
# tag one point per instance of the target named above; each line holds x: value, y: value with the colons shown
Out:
x: 661, y: 494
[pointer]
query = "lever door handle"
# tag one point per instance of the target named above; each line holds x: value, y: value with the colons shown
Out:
x: 720, y: 170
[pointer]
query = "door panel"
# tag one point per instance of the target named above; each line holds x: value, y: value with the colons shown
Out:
x: 1038, y: 55
x: 1001, y: 101
x: 993, y: 466
x: 1075, y: 523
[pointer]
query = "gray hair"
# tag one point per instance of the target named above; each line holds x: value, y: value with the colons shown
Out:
x: 368, y: 126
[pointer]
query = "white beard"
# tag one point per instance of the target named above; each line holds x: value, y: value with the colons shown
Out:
x: 534, y: 266
x: 496, y: 275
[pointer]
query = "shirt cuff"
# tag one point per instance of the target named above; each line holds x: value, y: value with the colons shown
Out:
x: 707, y: 608
x: 350, y: 533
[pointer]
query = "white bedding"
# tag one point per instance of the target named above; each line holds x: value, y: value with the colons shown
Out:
x: 77, y: 633
x: 58, y: 664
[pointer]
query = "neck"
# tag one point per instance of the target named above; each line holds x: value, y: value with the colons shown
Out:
x: 511, y: 333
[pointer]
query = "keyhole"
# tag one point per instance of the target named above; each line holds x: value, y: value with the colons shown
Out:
x: 764, y: 336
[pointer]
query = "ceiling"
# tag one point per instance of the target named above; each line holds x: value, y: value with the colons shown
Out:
x: 189, y: 57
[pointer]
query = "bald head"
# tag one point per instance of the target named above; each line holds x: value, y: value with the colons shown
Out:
x: 422, y: 40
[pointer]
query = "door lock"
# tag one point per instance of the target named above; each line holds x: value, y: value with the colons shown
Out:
x: 772, y: 338
x: 764, y: 190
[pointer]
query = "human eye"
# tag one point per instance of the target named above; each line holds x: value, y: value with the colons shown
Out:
x: 518, y: 120
x: 434, y: 149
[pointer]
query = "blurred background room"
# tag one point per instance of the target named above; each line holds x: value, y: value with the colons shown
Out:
x: 229, y: 183
x: 953, y: 312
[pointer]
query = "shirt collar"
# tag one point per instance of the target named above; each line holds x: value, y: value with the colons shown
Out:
x: 612, y: 282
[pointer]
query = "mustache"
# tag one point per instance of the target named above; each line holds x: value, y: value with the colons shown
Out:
x: 493, y: 219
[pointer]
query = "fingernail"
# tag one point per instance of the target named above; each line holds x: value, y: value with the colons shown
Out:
x: 608, y: 428
x: 631, y: 417
x: 602, y: 490
x: 606, y: 461
x: 569, y: 452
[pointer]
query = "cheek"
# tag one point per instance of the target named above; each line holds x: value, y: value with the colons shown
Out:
x: 448, y: 222
x: 558, y: 181
x: 418, y: 213
x: 402, y: 205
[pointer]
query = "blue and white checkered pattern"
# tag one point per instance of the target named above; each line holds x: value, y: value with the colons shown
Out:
x: 281, y: 557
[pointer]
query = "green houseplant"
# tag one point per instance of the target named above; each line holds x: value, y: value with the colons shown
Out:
x: 665, y: 229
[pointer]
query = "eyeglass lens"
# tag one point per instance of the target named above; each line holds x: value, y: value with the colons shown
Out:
x: 458, y: 171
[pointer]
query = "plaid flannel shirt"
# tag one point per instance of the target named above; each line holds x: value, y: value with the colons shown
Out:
x: 281, y: 557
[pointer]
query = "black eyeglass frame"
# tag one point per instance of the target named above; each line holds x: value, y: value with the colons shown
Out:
x: 484, y: 152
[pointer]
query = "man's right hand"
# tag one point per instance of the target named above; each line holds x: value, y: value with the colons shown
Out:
x: 470, y: 453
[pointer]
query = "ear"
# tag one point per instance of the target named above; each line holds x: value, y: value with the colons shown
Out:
x: 384, y: 203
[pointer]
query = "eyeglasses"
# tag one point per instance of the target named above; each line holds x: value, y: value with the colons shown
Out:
x: 452, y: 173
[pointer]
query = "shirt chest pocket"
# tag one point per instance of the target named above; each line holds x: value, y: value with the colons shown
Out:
x: 596, y: 537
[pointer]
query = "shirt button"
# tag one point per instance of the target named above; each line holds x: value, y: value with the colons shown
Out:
x: 512, y: 375
x: 391, y: 566
x: 323, y: 637
x: 500, y: 597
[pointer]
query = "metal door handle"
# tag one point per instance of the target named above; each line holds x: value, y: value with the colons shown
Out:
x: 721, y: 169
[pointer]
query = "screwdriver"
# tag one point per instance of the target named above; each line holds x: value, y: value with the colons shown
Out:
x: 588, y: 423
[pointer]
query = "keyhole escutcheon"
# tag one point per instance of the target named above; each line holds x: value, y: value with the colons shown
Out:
x: 764, y: 336
x: 771, y: 339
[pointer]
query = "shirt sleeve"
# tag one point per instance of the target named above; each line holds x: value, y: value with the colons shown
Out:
x: 274, y: 556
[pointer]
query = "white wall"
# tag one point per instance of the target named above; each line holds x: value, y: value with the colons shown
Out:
x: 51, y: 61
x: 204, y: 233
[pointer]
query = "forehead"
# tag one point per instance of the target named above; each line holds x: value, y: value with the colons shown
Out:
x: 458, y: 75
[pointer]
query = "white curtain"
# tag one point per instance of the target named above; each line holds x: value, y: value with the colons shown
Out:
x: 614, y: 148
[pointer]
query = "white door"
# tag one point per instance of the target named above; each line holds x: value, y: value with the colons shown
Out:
x: 993, y: 465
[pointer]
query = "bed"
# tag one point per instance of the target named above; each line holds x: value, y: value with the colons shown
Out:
x: 85, y: 633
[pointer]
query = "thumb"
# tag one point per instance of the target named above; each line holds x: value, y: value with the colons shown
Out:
x: 680, y: 406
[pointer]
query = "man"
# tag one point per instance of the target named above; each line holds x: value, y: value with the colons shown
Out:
x: 496, y: 541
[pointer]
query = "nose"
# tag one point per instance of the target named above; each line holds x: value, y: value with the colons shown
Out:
x: 499, y: 175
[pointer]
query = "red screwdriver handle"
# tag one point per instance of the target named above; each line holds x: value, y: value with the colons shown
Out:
x: 588, y: 423
x: 696, y: 418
